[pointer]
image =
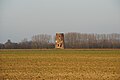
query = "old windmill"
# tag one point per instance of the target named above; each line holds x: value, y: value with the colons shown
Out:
x: 59, y: 43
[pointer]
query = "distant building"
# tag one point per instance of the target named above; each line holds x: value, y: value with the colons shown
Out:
x: 10, y: 45
x: 59, y: 42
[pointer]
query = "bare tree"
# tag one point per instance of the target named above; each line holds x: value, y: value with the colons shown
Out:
x: 82, y: 40
x: 41, y: 41
x: 25, y: 44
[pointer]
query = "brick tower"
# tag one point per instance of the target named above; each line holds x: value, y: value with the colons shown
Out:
x: 59, y: 42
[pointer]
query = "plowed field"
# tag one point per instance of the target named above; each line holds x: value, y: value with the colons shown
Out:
x: 60, y: 64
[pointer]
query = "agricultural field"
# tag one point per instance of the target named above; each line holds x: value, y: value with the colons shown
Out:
x: 60, y: 64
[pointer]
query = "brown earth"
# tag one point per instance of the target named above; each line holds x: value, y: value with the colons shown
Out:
x: 34, y: 66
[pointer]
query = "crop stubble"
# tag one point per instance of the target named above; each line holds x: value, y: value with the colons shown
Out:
x: 59, y: 65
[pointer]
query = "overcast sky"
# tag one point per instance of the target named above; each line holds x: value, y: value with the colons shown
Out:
x: 21, y: 19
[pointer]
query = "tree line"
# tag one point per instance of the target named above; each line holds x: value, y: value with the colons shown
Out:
x: 71, y: 40
x: 41, y: 41
x: 82, y: 40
